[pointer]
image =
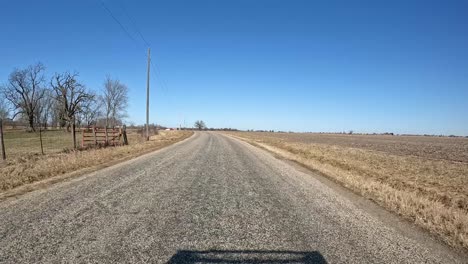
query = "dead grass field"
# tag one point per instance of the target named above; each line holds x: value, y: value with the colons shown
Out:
x: 20, y: 168
x: 424, y: 179
x: 21, y: 142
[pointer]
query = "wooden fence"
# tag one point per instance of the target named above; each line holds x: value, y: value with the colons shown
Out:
x: 104, y: 136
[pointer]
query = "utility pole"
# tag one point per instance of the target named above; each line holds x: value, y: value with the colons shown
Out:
x: 147, y: 96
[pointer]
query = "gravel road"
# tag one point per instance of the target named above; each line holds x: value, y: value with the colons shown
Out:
x: 209, y: 199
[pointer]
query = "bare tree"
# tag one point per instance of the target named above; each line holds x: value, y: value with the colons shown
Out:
x: 200, y: 124
x: 24, y: 91
x: 45, y: 108
x: 90, y: 112
x: 57, y: 115
x: 115, y: 101
x: 70, y: 95
x: 3, y: 109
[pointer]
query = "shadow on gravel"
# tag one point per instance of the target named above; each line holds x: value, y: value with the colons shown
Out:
x: 246, y: 256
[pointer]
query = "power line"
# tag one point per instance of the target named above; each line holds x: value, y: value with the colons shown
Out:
x: 133, y: 23
x: 154, y: 66
x: 116, y: 20
x: 157, y: 71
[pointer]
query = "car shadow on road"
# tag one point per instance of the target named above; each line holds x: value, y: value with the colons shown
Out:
x: 246, y: 256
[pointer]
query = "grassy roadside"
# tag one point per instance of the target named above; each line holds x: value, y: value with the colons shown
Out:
x: 433, y: 193
x: 28, y: 169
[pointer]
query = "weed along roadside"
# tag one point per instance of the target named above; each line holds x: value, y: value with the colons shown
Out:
x: 25, y: 169
x: 428, y: 190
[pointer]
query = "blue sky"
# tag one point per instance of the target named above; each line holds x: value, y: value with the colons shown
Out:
x: 367, y: 66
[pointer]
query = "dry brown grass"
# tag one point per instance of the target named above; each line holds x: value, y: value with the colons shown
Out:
x: 21, y: 142
x: 426, y: 183
x: 24, y: 169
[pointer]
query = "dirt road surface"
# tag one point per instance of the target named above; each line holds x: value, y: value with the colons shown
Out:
x: 208, y: 199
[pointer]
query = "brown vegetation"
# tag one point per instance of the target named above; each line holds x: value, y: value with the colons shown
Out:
x: 424, y: 179
x: 24, y: 169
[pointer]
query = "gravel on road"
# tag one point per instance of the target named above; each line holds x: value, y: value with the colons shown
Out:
x: 209, y: 199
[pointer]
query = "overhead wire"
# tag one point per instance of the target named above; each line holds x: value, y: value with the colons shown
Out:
x: 133, y: 23
x: 116, y: 20
x: 157, y: 71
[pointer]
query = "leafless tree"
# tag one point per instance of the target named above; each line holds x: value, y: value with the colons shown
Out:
x: 200, y: 124
x: 90, y: 112
x: 24, y: 91
x: 70, y: 95
x: 45, y: 108
x: 3, y: 108
x: 57, y: 115
x: 115, y: 101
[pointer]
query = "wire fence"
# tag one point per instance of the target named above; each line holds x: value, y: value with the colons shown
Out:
x: 20, y: 141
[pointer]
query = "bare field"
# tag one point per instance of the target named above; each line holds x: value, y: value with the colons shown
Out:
x: 442, y: 148
x: 424, y: 179
x: 21, y: 169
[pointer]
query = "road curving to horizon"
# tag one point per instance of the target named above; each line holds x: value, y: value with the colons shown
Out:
x: 208, y: 199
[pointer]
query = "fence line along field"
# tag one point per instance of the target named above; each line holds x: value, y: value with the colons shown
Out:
x: 21, y: 169
x: 22, y: 142
x: 424, y: 179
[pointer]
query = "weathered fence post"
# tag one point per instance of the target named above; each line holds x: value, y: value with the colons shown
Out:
x: 94, y: 134
x: 40, y: 138
x: 2, y: 143
x: 74, y: 133
x: 107, y: 138
x: 124, y: 134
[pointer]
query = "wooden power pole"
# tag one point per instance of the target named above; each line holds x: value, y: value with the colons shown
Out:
x: 147, y: 95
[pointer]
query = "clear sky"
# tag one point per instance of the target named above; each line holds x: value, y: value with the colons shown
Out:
x: 367, y: 66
